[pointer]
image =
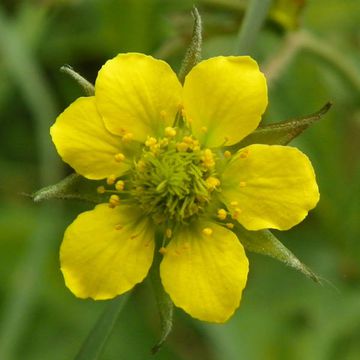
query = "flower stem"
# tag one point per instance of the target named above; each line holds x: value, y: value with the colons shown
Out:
x: 254, y: 18
x: 97, y: 338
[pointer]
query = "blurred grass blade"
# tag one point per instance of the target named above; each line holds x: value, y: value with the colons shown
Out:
x: 265, y: 243
x: 165, y: 305
x: 87, y: 86
x: 254, y: 18
x: 96, y: 340
x: 193, y: 53
x: 73, y: 187
x: 283, y: 132
x: 23, y: 69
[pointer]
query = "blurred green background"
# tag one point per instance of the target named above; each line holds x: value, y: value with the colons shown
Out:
x: 310, y: 51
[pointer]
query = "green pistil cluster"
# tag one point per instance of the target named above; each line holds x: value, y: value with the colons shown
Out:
x: 173, y: 180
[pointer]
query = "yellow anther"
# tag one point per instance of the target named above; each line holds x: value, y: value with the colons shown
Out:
x: 119, y: 157
x: 188, y: 140
x: 141, y: 165
x: 150, y: 141
x: 128, y: 137
x: 182, y: 146
x: 168, y: 233
x: 242, y: 183
x: 207, y: 231
x: 208, y: 159
x: 100, y: 189
x: 114, y: 201
x: 230, y: 225
x: 212, y: 182
x: 227, y: 154
x: 162, y: 251
x: 204, y: 129
x: 221, y: 214
x: 190, y: 120
x: 111, y: 180
x: 163, y: 113
x: 183, y: 113
x: 170, y: 132
x: 118, y: 227
x: 236, y: 213
x: 119, y: 186
x: 244, y: 154
x: 164, y: 142
x: 234, y: 203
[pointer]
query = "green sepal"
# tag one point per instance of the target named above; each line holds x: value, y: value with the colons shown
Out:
x: 281, y: 133
x: 86, y: 85
x: 72, y: 187
x: 266, y: 243
x: 193, y: 53
x: 164, y: 303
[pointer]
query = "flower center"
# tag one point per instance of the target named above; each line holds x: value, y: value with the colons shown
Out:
x: 173, y: 179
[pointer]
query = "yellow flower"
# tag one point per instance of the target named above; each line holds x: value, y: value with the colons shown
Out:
x: 160, y: 146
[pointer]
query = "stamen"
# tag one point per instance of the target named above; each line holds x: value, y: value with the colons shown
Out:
x: 114, y: 201
x: 100, y: 190
x: 221, y: 214
x: 236, y: 213
x: 182, y: 146
x: 111, y: 180
x: 230, y: 225
x: 207, y: 231
x: 204, y: 129
x: 162, y: 251
x: 150, y: 141
x: 234, y: 203
x: 128, y: 137
x: 227, y: 154
x: 212, y: 182
x: 119, y: 186
x: 244, y: 154
x: 163, y: 113
x: 118, y: 227
x: 119, y: 157
x: 170, y: 132
x: 242, y: 183
x: 168, y: 233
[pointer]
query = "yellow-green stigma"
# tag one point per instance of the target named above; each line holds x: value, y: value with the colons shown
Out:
x: 170, y: 180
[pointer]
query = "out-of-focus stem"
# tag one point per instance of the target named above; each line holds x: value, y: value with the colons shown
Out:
x: 25, y: 72
x: 254, y: 18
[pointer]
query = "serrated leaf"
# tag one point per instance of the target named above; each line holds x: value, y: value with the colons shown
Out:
x: 73, y: 186
x: 266, y: 243
x: 193, y: 53
x: 281, y: 133
x: 164, y: 303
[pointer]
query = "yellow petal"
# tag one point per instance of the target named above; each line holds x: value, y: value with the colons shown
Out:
x: 138, y: 94
x: 224, y: 98
x: 269, y: 186
x: 105, y: 252
x: 204, y: 271
x: 83, y: 142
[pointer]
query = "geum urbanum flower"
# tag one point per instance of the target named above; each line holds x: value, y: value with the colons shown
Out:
x: 173, y: 186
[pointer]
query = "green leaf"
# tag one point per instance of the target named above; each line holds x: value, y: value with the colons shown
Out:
x: 193, y: 53
x: 98, y: 336
x: 265, y: 243
x: 281, y: 133
x: 73, y: 186
x: 87, y: 86
x: 165, y: 305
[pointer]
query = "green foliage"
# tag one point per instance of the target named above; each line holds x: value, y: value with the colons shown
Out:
x: 282, y: 315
